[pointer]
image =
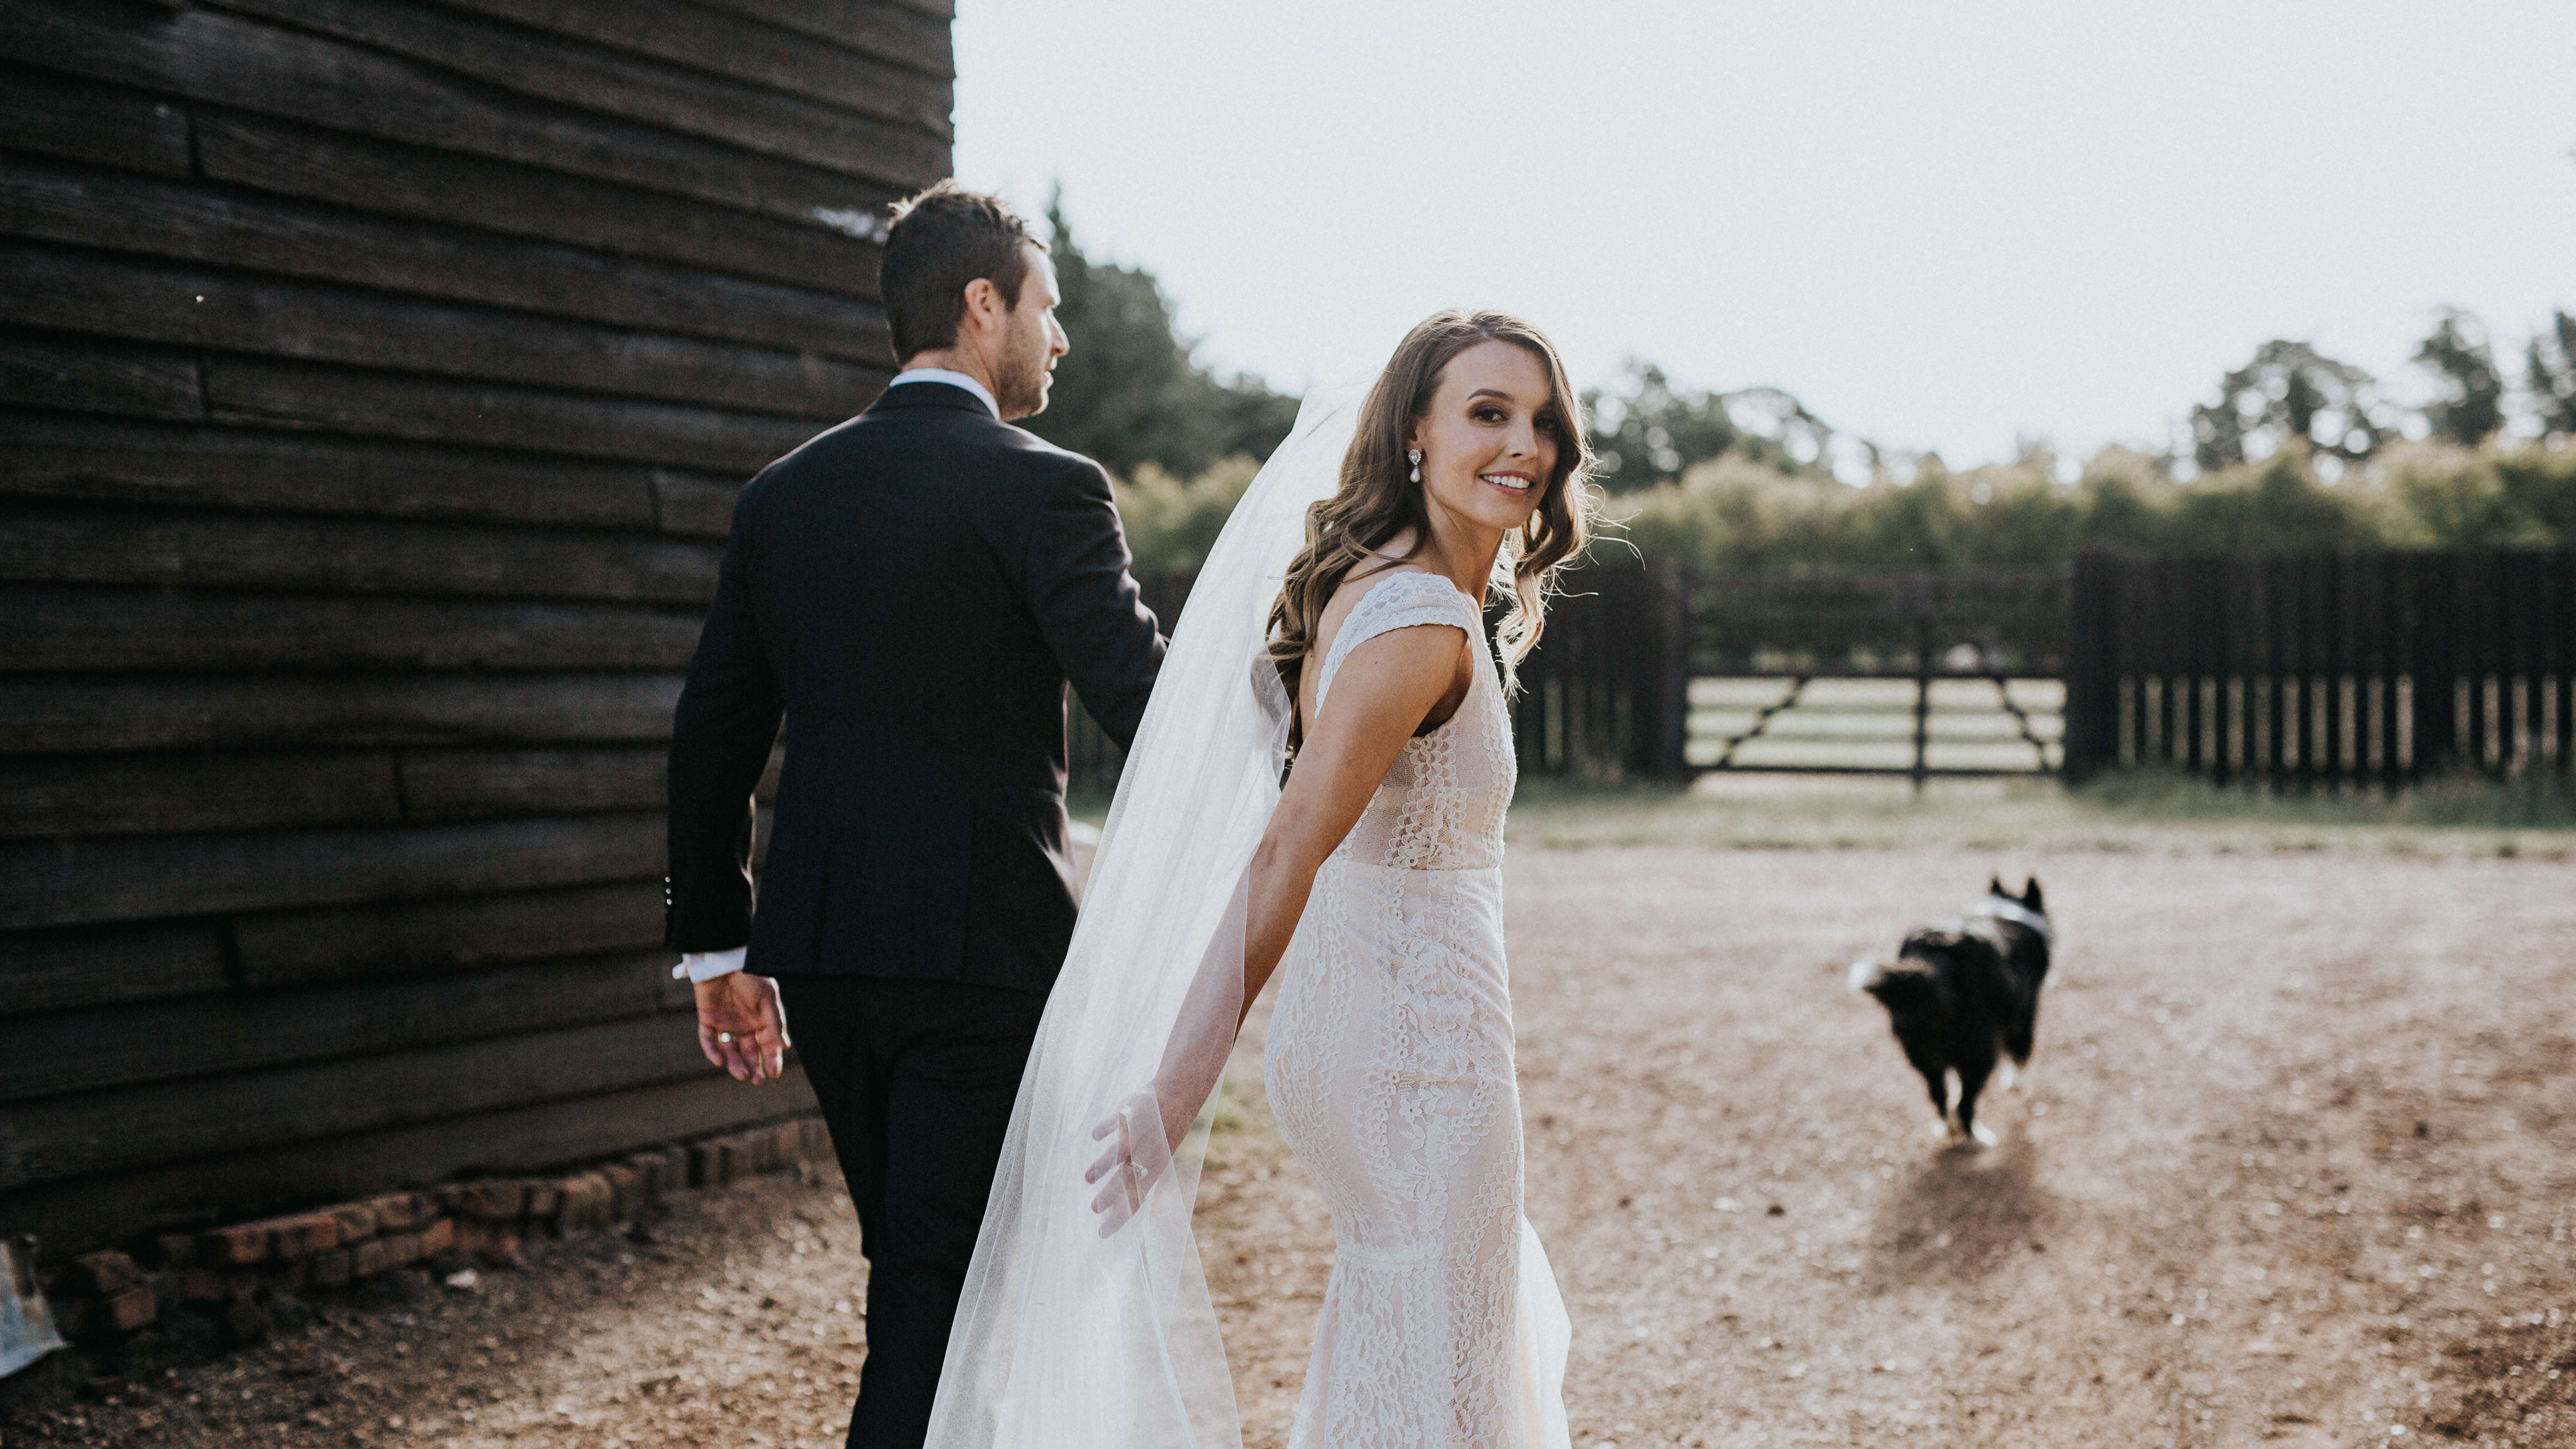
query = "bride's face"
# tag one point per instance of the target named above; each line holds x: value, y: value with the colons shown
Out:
x: 1489, y: 440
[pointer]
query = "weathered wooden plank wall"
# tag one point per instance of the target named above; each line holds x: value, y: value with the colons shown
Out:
x: 376, y: 377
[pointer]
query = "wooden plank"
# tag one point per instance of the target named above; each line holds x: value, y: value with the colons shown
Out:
x: 226, y: 227
x: 705, y: 38
x: 904, y: 35
x: 514, y: 200
x: 696, y: 507
x: 58, y: 713
x: 230, y: 60
x: 77, y: 882
x: 121, y: 1046
x: 120, y: 1130
x: 46, y: 372
x: 549, y: 69
x: 54, y: 544
x: 220, y: 467
x: 46, y: 113
x: 97, y: 629
x: 147, y: 301
x: 332, y: 399
x: 97, y: 965
x: 94, y: 1212
x: 483, y: 784
x: 377, y: 941
x: 75, y: 795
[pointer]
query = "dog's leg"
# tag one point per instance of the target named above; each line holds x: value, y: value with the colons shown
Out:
x: 1936, y: 1080
x: 1972, y: 1080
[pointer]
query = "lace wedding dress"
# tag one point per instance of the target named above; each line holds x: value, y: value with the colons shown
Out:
x: 1390, y: 1070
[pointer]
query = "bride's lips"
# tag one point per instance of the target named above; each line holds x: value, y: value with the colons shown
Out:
x: 1511, y: 481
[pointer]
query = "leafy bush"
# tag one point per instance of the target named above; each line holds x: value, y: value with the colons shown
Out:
x: 1171, y: 522
x: 1737, y: 516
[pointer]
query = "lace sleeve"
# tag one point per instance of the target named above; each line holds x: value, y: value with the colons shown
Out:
x: 1398, y: 601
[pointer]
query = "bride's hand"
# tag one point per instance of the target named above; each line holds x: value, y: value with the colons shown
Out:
x: 1139, y: 1153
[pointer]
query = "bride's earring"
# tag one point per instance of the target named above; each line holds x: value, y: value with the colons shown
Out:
x: 1414, y: 456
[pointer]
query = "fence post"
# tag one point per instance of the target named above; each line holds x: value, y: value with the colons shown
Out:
x: 1922, y: 682
x: 2090, y: 673
x: 1666, y: 730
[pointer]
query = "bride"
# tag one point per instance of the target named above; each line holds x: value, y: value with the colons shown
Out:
x: 1353, y: 651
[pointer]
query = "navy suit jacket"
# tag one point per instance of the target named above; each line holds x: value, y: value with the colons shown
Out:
x: 910, y: 592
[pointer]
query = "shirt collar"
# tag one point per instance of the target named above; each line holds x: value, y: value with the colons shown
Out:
x: 982, y: 393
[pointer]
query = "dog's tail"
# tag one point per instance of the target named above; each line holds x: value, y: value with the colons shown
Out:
x: 1905, y: 987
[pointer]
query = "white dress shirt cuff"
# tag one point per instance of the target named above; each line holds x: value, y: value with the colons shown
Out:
x: 708, y: 965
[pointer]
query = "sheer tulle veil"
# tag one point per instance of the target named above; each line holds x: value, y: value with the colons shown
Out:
x: 1066, y: 1338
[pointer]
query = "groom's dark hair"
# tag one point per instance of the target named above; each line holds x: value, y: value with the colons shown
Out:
x: 941, y: 240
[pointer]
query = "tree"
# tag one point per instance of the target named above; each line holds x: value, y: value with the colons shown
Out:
x: 2471, y: 407
x: 1131, y: 392
x: 2552, y: 379
x: 2289, y: 390
x: 1646, y: 433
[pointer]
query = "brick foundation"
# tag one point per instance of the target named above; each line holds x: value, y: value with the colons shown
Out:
x: 332, y: 1250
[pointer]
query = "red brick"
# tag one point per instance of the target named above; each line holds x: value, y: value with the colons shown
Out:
x: 401, y: 1248
x: 356, y: 1221
x: 396, y: 1212
x: 330, y: 1269
x: 105, y: 1274
x: 438, y: 1237
x: 543, y: 1198
x: 131, y: 1308
x: 500, y: 1246
x: 303, y: 1235
x: 235, y: 1246
x: 494, y: 1199
x: 372, y: 1257
x: 624, y: 1185
x: 450, y: 1197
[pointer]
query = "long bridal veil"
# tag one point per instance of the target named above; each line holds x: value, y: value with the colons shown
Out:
x: 1065, y: 1337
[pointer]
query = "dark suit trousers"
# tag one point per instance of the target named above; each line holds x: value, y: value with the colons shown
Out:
x: 916, y: 1080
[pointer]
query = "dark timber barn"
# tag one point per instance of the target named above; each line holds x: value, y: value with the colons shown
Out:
x: 376, y: 377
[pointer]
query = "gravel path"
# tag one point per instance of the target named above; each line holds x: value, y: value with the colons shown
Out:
x: 2298, y: 1167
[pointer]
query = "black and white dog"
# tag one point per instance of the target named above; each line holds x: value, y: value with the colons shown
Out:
x: 1963, y: 995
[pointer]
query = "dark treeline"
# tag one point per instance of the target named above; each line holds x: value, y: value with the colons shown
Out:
x: 1131, y: 393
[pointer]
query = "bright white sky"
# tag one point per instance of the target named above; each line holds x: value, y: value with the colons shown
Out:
x: 1941, y: 224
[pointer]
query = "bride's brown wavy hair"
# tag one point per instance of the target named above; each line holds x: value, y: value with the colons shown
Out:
x: 1377, y: 499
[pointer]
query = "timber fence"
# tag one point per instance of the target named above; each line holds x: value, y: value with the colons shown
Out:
x: 2324, y: 670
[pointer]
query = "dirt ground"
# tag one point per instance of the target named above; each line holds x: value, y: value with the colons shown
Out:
x: 2297, y: 1165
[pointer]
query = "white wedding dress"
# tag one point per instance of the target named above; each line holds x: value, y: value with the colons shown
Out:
x: 1390, y: 1064
x: 1390, y: 1070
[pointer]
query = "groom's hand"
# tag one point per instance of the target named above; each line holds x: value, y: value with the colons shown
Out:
x: 741, y: 1027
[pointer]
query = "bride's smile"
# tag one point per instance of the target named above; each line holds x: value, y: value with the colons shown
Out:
x: 1489, y: 442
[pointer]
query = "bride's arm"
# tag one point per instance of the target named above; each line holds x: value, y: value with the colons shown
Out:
x: 1383, y: 692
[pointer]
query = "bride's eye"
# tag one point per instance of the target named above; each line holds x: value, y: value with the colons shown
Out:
x: 1488, y: 414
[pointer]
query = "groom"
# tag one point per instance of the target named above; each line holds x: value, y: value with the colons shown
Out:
x: 909, y: 592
